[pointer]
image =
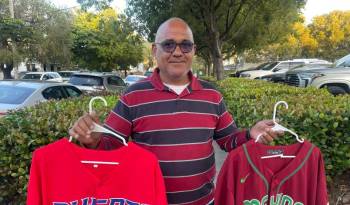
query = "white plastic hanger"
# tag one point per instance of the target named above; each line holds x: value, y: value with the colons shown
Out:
x: 99, y: 128
x: 278, y: 127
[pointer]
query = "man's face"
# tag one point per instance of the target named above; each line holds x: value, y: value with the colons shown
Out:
x: 175, y: 65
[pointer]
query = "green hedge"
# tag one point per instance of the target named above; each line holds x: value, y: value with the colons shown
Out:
x: 313, y: 114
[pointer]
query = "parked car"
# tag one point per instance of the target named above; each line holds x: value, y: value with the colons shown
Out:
x: 97, y: 82
x: 45, y: 76
x: 16, y: 94
x: 260, y: 66
x: 131, y: 79
x: 336, y: 83
x: 278, y: 67
x: 303, y: 78
x: 66, y: 74
x: 148, y: 73
x: 281, y: 77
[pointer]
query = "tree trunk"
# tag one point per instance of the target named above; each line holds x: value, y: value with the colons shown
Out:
x: 216, y: 49
x: 7, y: 71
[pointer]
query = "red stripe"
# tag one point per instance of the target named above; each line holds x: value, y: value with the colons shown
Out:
x: 119, y: 124
x: 204, y: 200
x: 181, y: 152
x: 224, y: 121
x: 147, y: 96
x: 189, y: 183
x: 177, y: 121
x: 207, y: 95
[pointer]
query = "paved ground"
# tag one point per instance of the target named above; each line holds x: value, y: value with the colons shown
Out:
x: 220, y: 157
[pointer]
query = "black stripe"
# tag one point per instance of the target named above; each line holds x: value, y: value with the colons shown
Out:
x: 182, y: 197
x: 226, y: 131
x: 186, y: 168
x: 174, y: 136
x: 173, y: 106
x: 139, y: 86
x: 207, y: 85
x: 122, y: 110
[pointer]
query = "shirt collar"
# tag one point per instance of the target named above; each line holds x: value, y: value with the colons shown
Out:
x: 158, y: 84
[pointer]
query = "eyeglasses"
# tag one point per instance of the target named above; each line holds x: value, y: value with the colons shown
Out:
x: 169, y: 46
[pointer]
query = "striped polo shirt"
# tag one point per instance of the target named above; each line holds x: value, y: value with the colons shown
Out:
x: 179, y: 130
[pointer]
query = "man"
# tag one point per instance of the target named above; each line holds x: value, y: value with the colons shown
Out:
x: 175, y: 116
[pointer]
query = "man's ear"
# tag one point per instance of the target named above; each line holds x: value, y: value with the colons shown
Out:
x: 154, y: 49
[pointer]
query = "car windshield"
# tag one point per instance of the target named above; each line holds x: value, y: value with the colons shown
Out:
x: 133, y: 78
x: 86, y: 80
x: 269, y: 66
x: 14, y: 95
x: 65, y: 74
x: 32, y: 76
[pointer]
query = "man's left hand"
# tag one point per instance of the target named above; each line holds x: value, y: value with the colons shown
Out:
x: 263, y: 128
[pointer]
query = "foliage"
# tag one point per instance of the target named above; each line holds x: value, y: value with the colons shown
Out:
x: 97, y: 4
x: 221, y: 28
x: 105, y: 41
x: 314, y: 114
x: 25, y: 130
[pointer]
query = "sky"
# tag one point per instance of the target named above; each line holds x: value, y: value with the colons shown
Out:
x: 312, y: 8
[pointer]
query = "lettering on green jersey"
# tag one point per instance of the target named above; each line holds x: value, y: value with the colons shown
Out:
x: 279, y: 199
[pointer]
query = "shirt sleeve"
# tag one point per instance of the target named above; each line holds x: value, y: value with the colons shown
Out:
x: 226, y: 134
x: 321, y: 195
x: 34, y: 193
x: 119, y: 121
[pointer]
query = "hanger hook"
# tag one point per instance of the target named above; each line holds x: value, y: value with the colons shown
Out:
x: 96, y: 98
x: 275, y: 109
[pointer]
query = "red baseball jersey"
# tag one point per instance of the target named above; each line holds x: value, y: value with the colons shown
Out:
x: 247, y: 179
x: 58, y: 177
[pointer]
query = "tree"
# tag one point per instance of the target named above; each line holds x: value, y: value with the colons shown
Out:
x: 106, y: 41
x: 332, y: 32
x: 221, y: 27
x: 13, y: 31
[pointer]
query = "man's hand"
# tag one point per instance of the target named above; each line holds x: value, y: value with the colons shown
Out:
x: 81, y: 130
x: 263, y: 128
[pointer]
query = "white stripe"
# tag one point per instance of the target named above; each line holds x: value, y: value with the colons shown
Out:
x: 136, y: 91
x: 212, y: 90
x: 184, y: 128
x: 199, y: 101
x: 188, y: 160
x: 122, y: 117
x: 153, y: 102
x: 174, y: 177
x: 175, y: 113
x: 171, y: 145
x: 225, y: 127
x: 223, y: 113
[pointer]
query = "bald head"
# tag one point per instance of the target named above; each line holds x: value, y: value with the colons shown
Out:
x: 170, y: 25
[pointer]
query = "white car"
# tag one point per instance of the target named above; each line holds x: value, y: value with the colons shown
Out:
x: 16, y: 94
x: 131, y: 79
x: 45, y: 76
x: 335, y: 82
x: 279, y: 67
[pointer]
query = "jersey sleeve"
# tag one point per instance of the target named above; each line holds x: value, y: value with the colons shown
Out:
x: 226, y: 134
x: 321, y: 195
x: 224, y: 187
x: 34, y: 192
x: 160, y: 196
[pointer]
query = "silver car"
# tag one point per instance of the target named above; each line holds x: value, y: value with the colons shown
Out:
x: 16, y: 94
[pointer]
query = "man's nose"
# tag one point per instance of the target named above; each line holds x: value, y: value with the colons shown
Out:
x: 177, y: 51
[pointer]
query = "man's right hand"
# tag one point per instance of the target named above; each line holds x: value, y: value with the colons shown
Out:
x: 81, y: 130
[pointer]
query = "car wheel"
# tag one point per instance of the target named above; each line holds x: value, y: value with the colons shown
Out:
x: 336, y: 90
